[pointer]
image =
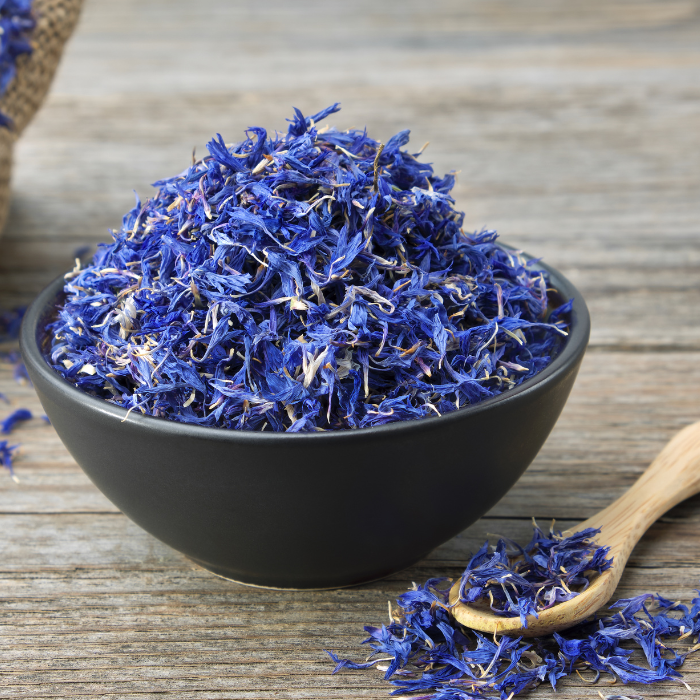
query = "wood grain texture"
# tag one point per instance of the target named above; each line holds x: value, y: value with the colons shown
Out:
x: 576, y: 128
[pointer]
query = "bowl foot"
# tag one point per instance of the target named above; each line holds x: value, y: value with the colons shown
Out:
x: 221, y: 573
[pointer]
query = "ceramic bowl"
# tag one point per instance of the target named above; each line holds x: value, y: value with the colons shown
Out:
x: 306, y: 510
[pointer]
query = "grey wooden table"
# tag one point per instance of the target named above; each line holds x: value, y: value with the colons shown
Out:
x: 576, y: 127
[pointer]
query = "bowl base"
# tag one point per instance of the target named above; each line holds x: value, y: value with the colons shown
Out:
x: 222, y: 574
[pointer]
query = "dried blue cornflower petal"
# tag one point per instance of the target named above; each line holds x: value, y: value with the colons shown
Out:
x: 17, y: 22
x: 10, y: 322
x: 426, y: 651
x: 6, y: 452
x: 313, y: 280
x: 521, y: 581
x: 18, y: 416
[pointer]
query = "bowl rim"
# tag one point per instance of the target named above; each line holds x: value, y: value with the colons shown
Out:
x: 568, y: 357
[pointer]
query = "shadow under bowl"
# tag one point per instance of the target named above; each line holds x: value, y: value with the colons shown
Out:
x: 306, y: 510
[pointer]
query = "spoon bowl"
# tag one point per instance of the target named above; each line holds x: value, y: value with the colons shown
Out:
x: 671, y: 478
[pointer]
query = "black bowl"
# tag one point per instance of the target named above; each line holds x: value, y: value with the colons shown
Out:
x: 306, y: 510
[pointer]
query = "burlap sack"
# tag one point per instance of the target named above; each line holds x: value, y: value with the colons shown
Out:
x: 55, y: 22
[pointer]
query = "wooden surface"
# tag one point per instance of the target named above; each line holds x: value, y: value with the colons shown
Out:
x: 576, y: 127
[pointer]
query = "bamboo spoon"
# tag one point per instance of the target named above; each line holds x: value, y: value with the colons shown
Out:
x: 671, y: 478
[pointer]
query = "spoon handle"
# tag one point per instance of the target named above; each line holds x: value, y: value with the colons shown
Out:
x: 671, y: 478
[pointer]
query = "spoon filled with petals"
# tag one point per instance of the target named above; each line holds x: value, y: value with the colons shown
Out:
x: 671, y: 478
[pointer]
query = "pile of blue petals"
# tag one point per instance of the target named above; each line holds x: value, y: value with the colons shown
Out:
x: 308, y: 281
x: 17, y: 23
x: 424, y: 650
x: 523, y: 581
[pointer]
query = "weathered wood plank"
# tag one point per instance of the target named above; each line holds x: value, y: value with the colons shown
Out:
x: 152, y: 623
x: 575, y: 128
x: 47, y: 542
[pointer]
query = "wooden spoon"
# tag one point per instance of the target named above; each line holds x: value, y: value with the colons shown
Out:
x: 671, y: 478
